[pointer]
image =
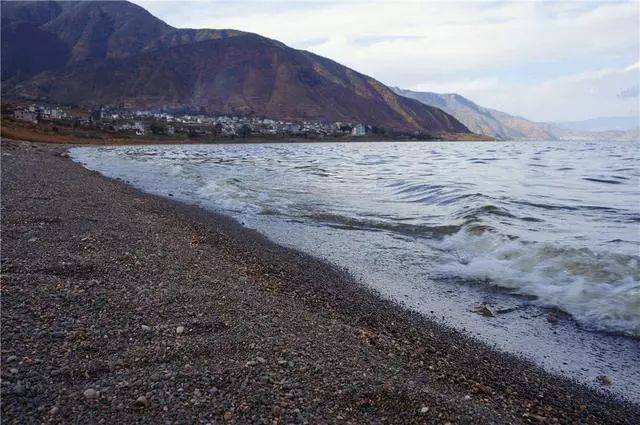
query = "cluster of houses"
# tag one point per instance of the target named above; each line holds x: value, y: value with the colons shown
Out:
x: 141, y: 122
x: 35, y: 113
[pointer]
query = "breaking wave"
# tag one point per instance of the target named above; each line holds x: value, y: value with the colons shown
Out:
x: 558, y: 226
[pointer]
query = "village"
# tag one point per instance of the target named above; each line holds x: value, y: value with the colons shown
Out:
x: 160, y: 123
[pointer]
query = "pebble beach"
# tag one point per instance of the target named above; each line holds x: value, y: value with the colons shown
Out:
x: 119, y: 306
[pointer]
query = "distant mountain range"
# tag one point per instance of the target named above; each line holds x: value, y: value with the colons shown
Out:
x: 504, y: 126
x: 116, y: 53
x: 602, y: 124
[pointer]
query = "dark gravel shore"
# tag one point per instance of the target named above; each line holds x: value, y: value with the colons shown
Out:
x: 120, y: 307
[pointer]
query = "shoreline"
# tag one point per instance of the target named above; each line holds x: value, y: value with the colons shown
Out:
x: 562, y: 346
x: 42, y: 133
x: 280, y: 335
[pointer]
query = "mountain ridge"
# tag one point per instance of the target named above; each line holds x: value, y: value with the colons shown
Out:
x: 505, y: 126
x: 480, y: 119
x: 216, y: 71
x: 616, y: 123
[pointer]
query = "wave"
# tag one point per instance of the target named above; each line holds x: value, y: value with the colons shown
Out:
x: 473, y: 227
x: 376, y: 224
x: 601, y: 290
x: 591, y: 179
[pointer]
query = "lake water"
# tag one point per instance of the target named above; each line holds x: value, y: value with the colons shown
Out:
x: 545, y: 234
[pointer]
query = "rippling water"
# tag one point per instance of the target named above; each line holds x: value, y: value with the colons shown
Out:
x: 549, y: 224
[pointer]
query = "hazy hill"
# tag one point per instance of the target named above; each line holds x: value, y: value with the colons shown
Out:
x: 602, y: 124
x: 504, y: 126
x: 632, y: 134
x: 483, y: 120
x: 117, y: 53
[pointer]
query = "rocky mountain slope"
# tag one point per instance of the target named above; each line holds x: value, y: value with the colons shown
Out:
x: 116, y: 53
x: 80, y: 31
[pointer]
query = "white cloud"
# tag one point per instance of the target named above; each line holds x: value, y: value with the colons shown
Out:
x: 432, y: 44
x: 567, y: 98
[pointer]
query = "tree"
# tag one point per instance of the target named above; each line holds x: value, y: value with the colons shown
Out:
x: 244, y: 131
x: 158, y: 128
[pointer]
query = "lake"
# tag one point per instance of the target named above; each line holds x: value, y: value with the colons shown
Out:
x: 532, y: 247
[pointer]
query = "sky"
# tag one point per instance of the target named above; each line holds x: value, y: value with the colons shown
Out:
x: 546, y: 61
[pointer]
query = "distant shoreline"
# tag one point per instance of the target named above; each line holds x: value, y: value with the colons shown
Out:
x: 38, y: 133
x: 204, y: 318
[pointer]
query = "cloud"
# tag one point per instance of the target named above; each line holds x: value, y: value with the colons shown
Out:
x: 629, y: 93
x: 567, y: 98
x: 440, y: 44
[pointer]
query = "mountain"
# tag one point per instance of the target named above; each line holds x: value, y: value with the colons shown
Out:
x: 633, y: 134
x: 116, y: 53
x: 483, y: 120
x: 602, y: 124
x: 81, y: 31
x: 504, y: 126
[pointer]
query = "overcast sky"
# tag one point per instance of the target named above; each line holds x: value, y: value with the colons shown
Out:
x: 542, y: 60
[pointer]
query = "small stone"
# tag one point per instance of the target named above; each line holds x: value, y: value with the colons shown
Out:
x: 141, y: 401
x: 90, y: 393
x: 146, y: 328
x: 11, y: 358
x: 260, y: 359
x: 19, y: 389
x: 180, y: 330
x: 485, y: 311
x: 424, y: 410
x: 54, y: 410
x: 604, y: 380
x: 552, y: 317
x: 228, y: 416
x: 467, y: 397
x: 13, y: 371
x: 213, y: 390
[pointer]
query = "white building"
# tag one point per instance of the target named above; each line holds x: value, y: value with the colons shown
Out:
x: 23, y: 115
x: 358, y: 130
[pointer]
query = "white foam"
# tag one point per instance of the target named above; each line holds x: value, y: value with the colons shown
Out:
x: 600, y: 290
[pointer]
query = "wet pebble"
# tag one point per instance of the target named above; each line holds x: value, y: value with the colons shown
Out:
x: 485, y: 311
x: 604, y: 380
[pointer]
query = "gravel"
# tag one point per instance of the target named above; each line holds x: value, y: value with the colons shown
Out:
x: 266, y: 334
